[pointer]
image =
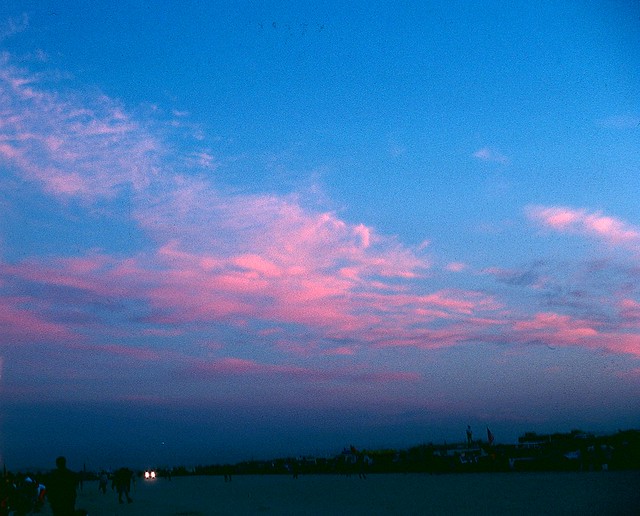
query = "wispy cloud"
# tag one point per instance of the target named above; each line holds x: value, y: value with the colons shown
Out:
x: 621, y: 122
x: 21, y: 324
x: 528, y: 276
x: 84, y: 148
x: 13, y: 26
x: 608, y: 229
x: 242, y: 367
x: 490, y: 155
x: 456, y: 266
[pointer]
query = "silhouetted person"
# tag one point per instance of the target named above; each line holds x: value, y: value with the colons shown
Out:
x: 122, y: 482
x: 102, y: 482
x: 363, y: 461
x: 61, y: 489
x: 7, y: 492
x: 469, y: 436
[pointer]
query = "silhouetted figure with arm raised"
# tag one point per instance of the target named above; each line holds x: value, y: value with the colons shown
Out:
x: 61, y: 489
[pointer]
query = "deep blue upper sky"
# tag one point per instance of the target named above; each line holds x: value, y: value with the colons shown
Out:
x: 235, y: 229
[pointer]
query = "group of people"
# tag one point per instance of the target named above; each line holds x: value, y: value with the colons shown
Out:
x: 20, y: 494
x: 23, y: 495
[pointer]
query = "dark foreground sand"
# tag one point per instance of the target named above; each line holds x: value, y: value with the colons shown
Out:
x: 597, y: 493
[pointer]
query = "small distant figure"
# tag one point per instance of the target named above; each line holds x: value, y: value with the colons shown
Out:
x: 103, y: 481
x: 363, y: 463
x: 469, y: 436
x: 122, y: 482
x: 227, y: 474
x: 490, y: 437
x: 81, y: 477
x: 61, y: 489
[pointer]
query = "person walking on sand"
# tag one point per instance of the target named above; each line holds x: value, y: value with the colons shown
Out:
x: 61, y: 489
x: 102, y: 483
x: 122, y: 483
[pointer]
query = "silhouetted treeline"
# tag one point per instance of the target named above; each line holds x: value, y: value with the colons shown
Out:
x: 573, y: 451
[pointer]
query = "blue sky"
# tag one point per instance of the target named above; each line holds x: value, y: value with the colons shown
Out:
x: 264, y: 228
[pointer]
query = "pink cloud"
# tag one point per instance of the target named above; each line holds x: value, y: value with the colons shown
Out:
x: 456, y: 333
x: 243, y: 367
x: 69, y: 149
x: 341, y: 351
x: 623, y: 343
x: 92, y: 273
x: 609, y: 229
x: 385, y: 377
x: 128, y: 352
x: 258, y: 264
x: 276, y: 230
x: 269, y: 257
x: 456, y: 266
x: 183, y: 287
x: 633, y: 374
x: 629, y: 310
x: 21, y: 325
x: 160, y: 332
x: 556, y: 328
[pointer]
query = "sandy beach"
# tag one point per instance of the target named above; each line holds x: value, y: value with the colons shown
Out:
x: 601, y: 493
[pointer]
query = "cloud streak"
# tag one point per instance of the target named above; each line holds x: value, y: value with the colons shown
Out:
x: 72, y: 148
x: 610, y: 230
x: 489, y: 155
x: 14, y: 26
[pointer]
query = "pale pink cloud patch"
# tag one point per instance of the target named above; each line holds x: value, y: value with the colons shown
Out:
x: 257, y: 264
x: 629, y: 310
x: 9, y: 151
x: 624, y: 343
x: 556, y: 218
x: 231, y: 366
x: 364, y: 233
x: 239, y: 366
x: 456, y: 266
x: 558, y: 328
x: 340, y: 351
x: 22, y: 325
x: 608, y: 229
x: 91, y: 273
x: 555, y: 329
x: 632, y: 374
x: 124, y: 351
x: 73, y: 147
